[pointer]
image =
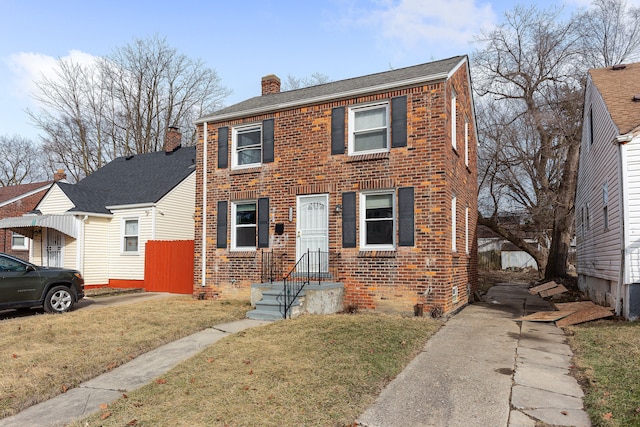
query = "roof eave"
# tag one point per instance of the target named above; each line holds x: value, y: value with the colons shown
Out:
x: 324, y: 98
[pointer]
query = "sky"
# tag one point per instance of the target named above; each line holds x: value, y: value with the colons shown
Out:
x: 242, y: 40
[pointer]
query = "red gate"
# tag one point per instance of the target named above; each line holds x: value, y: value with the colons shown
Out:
x: 168, y: 266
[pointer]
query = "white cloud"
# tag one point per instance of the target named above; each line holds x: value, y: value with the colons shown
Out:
x: 442, y: 25
x: 29, y: 67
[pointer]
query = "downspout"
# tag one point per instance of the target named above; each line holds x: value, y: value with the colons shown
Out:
x: 205, y: 164
x: 80, y: 256
x: 622, y: 140
x: 153, y: 222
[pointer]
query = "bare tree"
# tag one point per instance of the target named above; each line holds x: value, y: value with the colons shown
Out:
x: 292, y: 82
x: 610, y: 33
x: 21, y: 161
x: 122, y: 104
x: 530, y: 74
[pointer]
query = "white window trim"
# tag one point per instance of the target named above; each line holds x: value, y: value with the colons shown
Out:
x: 466, y: 230
x: 363, y: 219
x: 234, y: 139
x: 351, y: 128
x: 24, y: 247
x: 234, y: 206
x: 466, y: 141
x: 454, y: 202
x: 123, y: 235
x: 454, y: 125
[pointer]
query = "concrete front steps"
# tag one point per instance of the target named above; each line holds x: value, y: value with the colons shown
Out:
x: 315, y: 298
x: 271, y: 305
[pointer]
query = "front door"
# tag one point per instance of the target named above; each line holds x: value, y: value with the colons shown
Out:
x: 312, y: 230
x: 55, y: 242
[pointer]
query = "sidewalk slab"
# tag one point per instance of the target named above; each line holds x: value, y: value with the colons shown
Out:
x: 547, y: 378
x: 539, y: 357
x: 569, y: 418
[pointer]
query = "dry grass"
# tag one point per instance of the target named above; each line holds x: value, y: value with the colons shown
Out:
x: 607, y: 355
x: 311, y: 371
x: 44, y: 355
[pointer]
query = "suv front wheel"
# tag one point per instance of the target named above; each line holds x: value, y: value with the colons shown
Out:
x: 58, y: 300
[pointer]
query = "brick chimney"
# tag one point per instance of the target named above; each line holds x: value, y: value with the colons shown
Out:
x: 270, y: 84
x: 173, y: 139
x: 59, y: 175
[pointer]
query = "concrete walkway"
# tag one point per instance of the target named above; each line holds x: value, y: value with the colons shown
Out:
x: 484, y: 369
x: 87, y: 397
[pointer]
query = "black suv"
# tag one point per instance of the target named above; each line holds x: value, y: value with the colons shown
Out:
x: 24, y: 285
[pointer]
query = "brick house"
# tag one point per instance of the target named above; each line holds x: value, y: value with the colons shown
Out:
x: 378, y: 171
x: 17, y: 200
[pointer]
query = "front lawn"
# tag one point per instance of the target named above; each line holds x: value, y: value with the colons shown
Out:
x: 42, y: 355
x: 311, y: 371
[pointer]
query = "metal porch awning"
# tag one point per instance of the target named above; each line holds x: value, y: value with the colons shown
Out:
x: 27, y: 225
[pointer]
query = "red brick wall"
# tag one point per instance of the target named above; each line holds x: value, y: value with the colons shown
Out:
x: 388, y: 281
x: 18, y: 208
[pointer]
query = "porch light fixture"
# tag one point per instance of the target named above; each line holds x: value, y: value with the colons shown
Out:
x: 338, y: 208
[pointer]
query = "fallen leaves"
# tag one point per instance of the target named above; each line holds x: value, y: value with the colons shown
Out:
x: 161, y: 381
x: 607, y: 416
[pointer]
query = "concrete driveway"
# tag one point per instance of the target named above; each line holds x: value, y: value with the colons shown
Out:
x: 89, y: 303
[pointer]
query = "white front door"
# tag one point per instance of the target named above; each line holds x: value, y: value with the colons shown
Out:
x: 312, y: 228
x: 55, y: 242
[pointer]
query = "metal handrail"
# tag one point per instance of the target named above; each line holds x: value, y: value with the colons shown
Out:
x: 303, y: 273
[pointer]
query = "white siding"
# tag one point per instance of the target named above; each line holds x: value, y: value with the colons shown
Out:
x: 599, y: 251
x: 128, y: 266
x: 175, y: 212
x: 96, y: 251
x: 632, y: 208
x: 54, y: 202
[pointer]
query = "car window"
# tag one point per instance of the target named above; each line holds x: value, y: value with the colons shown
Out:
x: 7, y: 264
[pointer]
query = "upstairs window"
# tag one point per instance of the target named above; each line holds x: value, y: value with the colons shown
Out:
x: 247, y: 146
x: 369, y: 129
x: 130, y: 236
x: 244, y: 226
x: 466, y: 141
x: 605, y: 205
x: 377, y: 223
x: 454, y: 112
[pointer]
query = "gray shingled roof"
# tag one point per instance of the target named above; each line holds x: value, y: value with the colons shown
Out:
x: 144, y: 178
x: 338, y: 89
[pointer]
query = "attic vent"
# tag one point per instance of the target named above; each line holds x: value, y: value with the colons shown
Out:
x: 636, y: 98
x: 619, y: 67
x: 128, y: 158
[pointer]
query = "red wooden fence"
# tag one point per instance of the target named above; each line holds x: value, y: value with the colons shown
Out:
x: 168, y: 266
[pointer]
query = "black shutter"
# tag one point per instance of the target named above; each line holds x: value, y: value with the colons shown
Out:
x: 337, y: 130
x: 267, y: 141
x: 223, y: 147
x: 221, y: 226
x: 405, y: 215
x: 399, y: 121
x: 349, y: 220
x: 263, y: 223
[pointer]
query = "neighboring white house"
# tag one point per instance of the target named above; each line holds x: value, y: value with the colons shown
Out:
x: 608, y: 193
x: 101, y: 224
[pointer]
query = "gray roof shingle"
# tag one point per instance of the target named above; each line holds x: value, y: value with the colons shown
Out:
x: 338, y: 89
x: 143, y: 178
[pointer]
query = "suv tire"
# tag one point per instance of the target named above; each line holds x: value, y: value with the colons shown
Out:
x: 59, y: 299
